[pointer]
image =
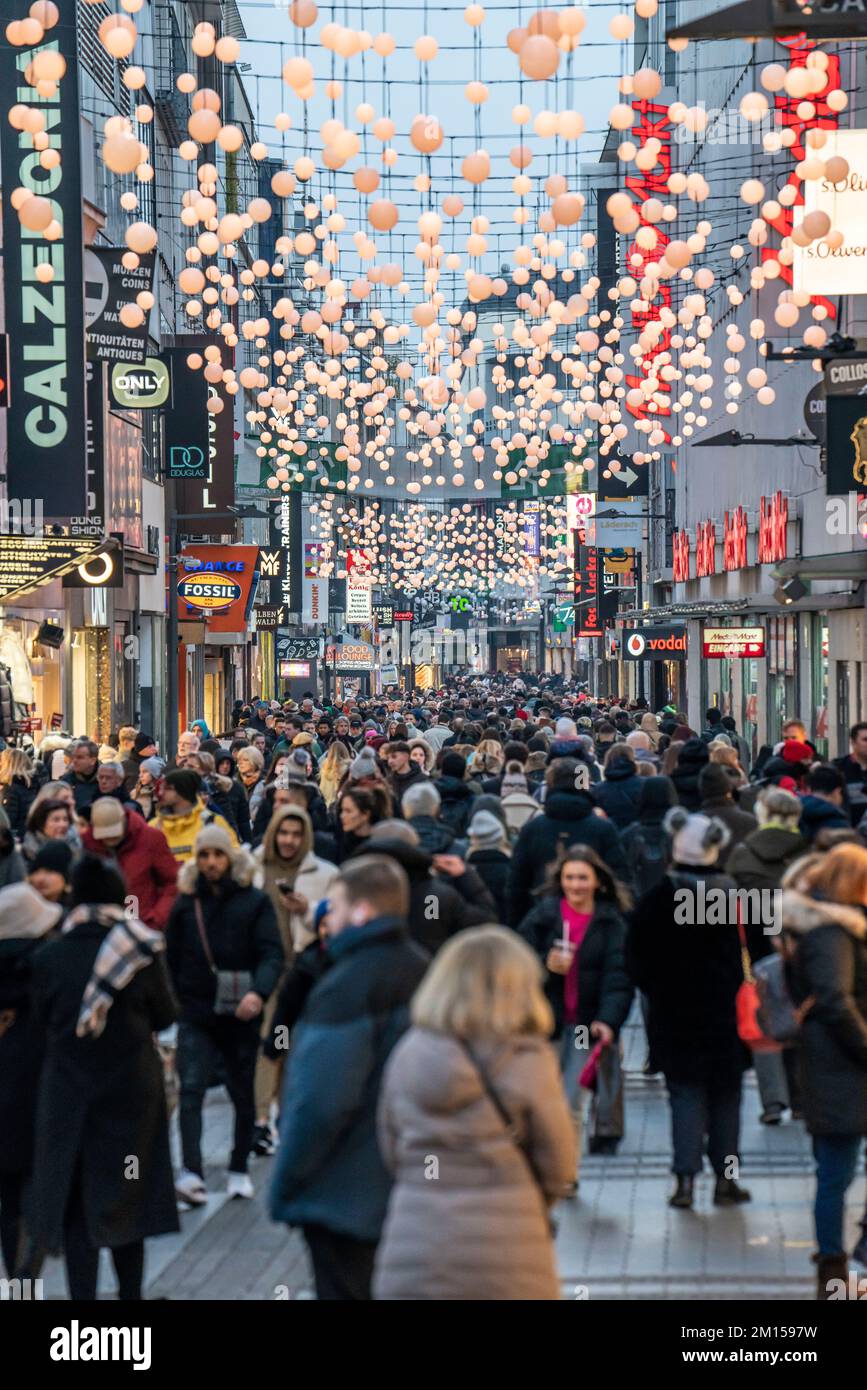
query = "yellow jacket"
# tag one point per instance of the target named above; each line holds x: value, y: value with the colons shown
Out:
x: 181, y: 831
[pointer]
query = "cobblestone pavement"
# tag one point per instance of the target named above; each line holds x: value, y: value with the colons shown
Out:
x: 617, y: 1239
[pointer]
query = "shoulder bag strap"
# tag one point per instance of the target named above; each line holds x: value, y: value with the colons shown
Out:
x: 746, y: 963
x: 508, y: 1122
x: 203, y: 935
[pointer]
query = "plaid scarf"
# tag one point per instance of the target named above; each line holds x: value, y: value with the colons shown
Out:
x: 128, y: 947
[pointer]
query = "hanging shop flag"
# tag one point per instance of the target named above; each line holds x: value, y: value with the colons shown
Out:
x: 846, y: 425
x: 217, y: 584
x: 199, y: 444
x: 819, y: 268
x: 108, y: 286
x: 92, y: 523
x: 28, y: 561
x: 358, y: 603
x: 588, y: 590
x: 144, y: 386
x: 281, y: 562
x: 45, y: 456
x: 314, y: 590
x: 654, y: 644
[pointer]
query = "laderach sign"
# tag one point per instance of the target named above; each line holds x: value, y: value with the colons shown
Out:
x: 654, y: 644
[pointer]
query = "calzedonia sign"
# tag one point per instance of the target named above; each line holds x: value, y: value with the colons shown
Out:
x: 45, y: 457
x: 654, y: 644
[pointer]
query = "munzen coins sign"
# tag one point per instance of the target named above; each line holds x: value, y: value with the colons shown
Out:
x: 209, y: 591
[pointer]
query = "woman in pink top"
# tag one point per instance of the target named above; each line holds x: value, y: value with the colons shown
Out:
x: 578, y: 931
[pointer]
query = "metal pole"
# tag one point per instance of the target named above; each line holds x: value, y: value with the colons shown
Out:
x: 640, y: 583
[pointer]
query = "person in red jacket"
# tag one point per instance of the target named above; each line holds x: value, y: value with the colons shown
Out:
x: 142, y: 854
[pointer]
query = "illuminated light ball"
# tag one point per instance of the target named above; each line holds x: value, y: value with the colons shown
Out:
x: 45, y: 273
x: 303, y: 13
x: 117, y: 34
x: 754, y: 106
x: 204, y: 40
x: 476, y: 167
x: 186, y: 83
x: 304, y: 167
x: 836, y: 168
x: 204, y: 126
x: 480, y: 288
x: 766, y: 395
x: 49, y: 159
x: 426, y: 134
x: 382, y: 215
x: 539, y: 57
x: 384, y: 45
x: 521, y: 114
x: 17, y: 115
x: 814, y: 336
x: 516, y: 38
x: 570, y: 124
x: 45, y: 12
x: 646, y: 84
x: 128, y: 201
x: 141, y: 237
x: 572, y: 22
x: 752, y: 191
x: 545, y: 124
x: 621, y: 117
x: 258, y: 150
x: 54, y: 231
x: 834, y: 240
x: 426, y: 48
x: 297, y: 72
x: 567, y: 209
x: 618, y: 204
x: 230, y: 138
x: 520, y: 156
x: 188, y: 149
x: 773, y: 77
x: 215, y: 405
x: 49, y: 66
x: 283, y: 184
x: 786, y: 314
x: 474, y: 15
x: 837, y: 100
x: 35, y: 213
x: 816, y: 224
x: 282, y: 121
x: 646, y: 9
x: 366, y: 180
x: 131, y: 316
x: 364, y: 113
x: 798, y: 82
x: 476, y: 93
x: 621, y: 27
x: 191, y: 280
x: 122, y: 153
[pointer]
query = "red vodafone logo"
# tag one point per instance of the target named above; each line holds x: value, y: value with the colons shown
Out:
x: 635, y: 644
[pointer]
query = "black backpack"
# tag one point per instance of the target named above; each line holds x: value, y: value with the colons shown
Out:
x: 649, y: 851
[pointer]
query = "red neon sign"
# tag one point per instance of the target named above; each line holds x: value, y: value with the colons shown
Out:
x: 705, y: 549
x: 735, y: 540
x: 773, y: 523
x: 680, y: 556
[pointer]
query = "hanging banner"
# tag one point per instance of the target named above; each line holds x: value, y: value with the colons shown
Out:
x: 625, y: 529
x: 831, y: 270
x: 282, y: 560
x: 846, y: 425
x: 144, y: 386
x: 217, y: 584
x: 314, y: 590
x: 358, y: 603
x: 108, y: 286
x: 727, y: 643
x: 192, y: 430
x: 93, y: 522
x: 654, y: 644
x: 588, y: 590
x: 26, y: 562
x: 45, y: 457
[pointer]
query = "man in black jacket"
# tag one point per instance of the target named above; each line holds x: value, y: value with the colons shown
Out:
x: 568, y: 819
x: 219, y: 923
x: 329, y: 1175
x: 403, y: 772
x: 82, y: 775
x: 445, y: 894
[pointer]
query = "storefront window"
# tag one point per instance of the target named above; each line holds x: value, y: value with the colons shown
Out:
x: 819, y: 668
x: 782, y: 666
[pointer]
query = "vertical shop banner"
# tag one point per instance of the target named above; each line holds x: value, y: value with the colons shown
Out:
x: 199, y: 444
x: 314, y: 590
x: 45, y: 323
x: 108, y: 286
x: 588, y: 590
x: 93, y: 522
x: 359, y: 587
x: 282, y: 560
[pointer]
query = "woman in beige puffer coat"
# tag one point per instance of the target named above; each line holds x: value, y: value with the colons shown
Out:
x: 468, y: 1215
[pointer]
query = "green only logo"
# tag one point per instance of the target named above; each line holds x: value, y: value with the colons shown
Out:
x: 142, y: 386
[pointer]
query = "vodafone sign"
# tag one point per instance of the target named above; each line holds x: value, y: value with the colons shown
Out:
x: 654, y: 644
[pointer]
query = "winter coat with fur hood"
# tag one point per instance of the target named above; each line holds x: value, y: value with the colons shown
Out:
x: 241, y: 930
x: 830, y: 966
x: 310, y: 877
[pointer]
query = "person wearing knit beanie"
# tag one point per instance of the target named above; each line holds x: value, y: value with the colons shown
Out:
x: 186, y: 783
x: 490, y: 855
x: 365, y: 765
x: 216, y: 838
x: 143, y: 744
x: 487, y: 831
x: 55, y: 857
x: 697, y: 840
x: 154, y: 767
x: 454, y: 765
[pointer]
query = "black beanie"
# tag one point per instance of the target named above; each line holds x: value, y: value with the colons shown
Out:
x: 54, y: 855
x: 454, y: 765
x: 95, y: 881
x: 185, y: 782
x: 143, y: 741
x: 714, y: 782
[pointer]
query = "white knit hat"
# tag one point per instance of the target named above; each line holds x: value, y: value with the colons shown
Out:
x: 566, y: 728
x: 696, y: 839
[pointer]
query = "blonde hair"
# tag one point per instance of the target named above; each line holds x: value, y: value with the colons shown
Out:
x: 332, y: 769
x: 14, y: 762
x: 841, y: 875
x: 488, y: 756
x: 484, y: 983
x: 252, y: 756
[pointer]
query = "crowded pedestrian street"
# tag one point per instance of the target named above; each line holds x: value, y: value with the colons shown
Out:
x: 433, y: 676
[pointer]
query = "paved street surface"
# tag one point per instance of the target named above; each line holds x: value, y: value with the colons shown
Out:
x: 618, y: 1239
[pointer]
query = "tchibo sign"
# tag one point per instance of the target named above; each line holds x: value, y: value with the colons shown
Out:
x: 654, y: 644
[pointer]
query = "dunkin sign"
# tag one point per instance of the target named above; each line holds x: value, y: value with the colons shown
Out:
x: 654, y: 644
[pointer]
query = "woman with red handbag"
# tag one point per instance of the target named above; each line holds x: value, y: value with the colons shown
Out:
x: 683, y: 953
